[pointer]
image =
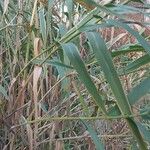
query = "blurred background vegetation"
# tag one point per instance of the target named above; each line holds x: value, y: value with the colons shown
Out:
x: 74, y: 74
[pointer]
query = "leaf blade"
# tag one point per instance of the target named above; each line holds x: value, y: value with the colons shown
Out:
x: 98, y: 144
x: 105, y: 61
x: 140, y: 90
x: 72, y: 53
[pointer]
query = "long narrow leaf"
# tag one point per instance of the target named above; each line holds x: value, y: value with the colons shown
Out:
x: 98, y: 144
x: 72, y: 53
x: 105, y: 60
x: 127, y: 49
x: 3, y: 92
x: 42, y: 23
x: 145, y: 132
x: 140, y: 39
x: 140, y: 90
x: 137, y: 63
x: 53, y: 63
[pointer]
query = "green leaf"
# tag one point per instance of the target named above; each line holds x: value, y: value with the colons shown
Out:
x: 42, y: 23
x: 140, y: 39
x: 69, y: 5
x: 123, y: 9
x: 62, y: 29
x: 127, y: 49
x: 137, y: 63
x: 140, y: 90
x: 98, y: 144
x: 91, y: 4
x: 72, y: 52
x: 114, y: 111
x: 91, y: 27
x: 105, y: 61
x: 146, y: 112
x: 145, y: 132
x: 3, y: 92
x: 52, y: 62
x: 134, y: 127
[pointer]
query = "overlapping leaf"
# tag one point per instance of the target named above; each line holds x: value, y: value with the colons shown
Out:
x: 105, y: 61
x: 72, y: 53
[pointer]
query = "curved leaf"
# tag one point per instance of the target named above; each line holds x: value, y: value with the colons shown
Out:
x: 105, y: 61
x: 73, y: 55
x: 140, y: 39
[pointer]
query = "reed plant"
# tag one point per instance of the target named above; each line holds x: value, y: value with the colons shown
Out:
x: 66, y: 82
